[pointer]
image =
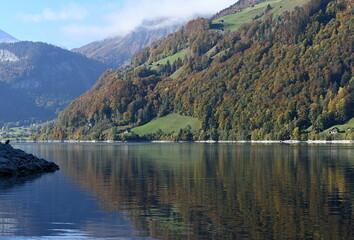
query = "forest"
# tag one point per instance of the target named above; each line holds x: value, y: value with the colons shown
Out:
x: 276, y: 78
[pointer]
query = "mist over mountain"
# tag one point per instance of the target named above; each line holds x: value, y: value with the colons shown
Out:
x: 118, y: 51
x: 38, y: 80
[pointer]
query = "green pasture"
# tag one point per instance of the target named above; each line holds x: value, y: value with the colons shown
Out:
x: 169, y: 123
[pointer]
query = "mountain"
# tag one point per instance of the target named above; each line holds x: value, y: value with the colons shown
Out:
x: 118, y: 51
x: 5, y: 37
x: 37, y: 80
x: 282, y: 75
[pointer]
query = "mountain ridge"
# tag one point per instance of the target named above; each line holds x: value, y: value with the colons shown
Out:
x: 5, y: 37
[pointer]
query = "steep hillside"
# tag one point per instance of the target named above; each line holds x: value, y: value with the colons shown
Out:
x: 271, y: 79
x: 38, y: 79
x: 118, y: 51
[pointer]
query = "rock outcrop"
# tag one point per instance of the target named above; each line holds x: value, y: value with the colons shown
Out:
x: 15, y: 162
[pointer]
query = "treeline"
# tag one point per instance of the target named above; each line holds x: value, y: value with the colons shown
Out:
x: 272, y: 79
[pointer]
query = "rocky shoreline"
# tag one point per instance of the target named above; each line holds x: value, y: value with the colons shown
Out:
x: 15, y: 162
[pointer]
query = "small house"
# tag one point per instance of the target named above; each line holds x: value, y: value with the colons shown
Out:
x: 348, y: 130
x: 334, y: 130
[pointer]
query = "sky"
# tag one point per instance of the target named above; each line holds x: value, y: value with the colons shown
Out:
x: 74, y: 23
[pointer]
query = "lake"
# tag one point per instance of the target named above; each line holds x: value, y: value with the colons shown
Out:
x: 183, y: 191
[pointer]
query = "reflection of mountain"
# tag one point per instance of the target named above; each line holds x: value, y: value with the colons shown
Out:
x: 220, y: 191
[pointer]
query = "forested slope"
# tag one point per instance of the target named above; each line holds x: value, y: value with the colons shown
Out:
x: 271, y: 79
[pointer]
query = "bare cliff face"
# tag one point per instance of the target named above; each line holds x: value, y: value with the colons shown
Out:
x: 42, y: 77
x: 7, y: 56
x: 118, y: 51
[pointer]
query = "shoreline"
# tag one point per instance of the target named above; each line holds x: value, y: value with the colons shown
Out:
x: 198, y: 141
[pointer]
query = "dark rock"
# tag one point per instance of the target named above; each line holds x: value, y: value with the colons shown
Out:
x: 7, y: 167
x: 15, y: 162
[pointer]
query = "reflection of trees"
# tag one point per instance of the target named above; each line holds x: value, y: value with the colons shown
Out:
x: 222, y: 191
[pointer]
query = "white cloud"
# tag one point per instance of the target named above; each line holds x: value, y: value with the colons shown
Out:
x: 124, y: 19
x: 137, y: 11
x: 68, y: 12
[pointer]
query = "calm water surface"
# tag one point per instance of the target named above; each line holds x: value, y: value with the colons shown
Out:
x: 183, y: 191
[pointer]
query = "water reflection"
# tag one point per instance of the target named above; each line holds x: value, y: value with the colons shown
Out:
x: 199, y: 191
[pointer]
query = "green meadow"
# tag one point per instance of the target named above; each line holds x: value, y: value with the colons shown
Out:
x: 342, y: 127
x: 181, y: 54
x: 169, y: 123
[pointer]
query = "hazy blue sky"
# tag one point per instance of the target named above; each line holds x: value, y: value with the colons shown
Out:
x: 74, y: 23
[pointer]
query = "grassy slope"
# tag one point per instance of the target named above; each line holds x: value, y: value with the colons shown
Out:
x: 171, y: 122
x: 176, y: 74
x: 343, y: 127
x: 181, y: 54
x: 234, y: 21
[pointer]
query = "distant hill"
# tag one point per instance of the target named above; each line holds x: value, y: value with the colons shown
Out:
x: 18, y: 106
x: 268, y: 79
x: 5, y: 37
x: 37, y: 80
x: 118, y: 51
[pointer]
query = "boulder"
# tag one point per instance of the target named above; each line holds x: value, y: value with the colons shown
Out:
x: 15, y: 162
